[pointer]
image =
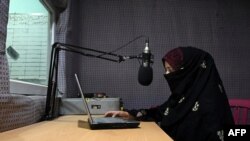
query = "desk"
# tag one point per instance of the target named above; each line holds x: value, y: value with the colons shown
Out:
x: 76, y: 128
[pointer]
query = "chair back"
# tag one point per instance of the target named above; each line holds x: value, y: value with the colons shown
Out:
x: 241, y: 110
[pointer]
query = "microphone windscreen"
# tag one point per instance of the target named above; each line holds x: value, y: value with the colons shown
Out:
x: 145, y: 75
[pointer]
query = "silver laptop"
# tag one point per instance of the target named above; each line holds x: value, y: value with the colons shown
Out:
x: 105, y: 122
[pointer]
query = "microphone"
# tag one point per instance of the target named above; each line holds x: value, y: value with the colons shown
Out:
x: 145, y: 73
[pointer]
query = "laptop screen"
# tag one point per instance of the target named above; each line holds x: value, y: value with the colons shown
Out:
x: 104, y: 122
x: 83, y: 98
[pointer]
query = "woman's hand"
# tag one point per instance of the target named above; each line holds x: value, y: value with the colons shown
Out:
x: 122, y: 114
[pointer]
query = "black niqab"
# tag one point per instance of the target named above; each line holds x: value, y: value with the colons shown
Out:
x: 198, y: 108
x: 197, y: 82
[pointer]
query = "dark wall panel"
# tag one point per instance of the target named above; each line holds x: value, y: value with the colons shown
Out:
x: 219, y: 27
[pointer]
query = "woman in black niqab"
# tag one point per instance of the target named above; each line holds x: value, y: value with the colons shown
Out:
x: 198, y: 108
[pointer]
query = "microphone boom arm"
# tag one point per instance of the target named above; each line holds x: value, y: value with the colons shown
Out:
x: 53, y: 70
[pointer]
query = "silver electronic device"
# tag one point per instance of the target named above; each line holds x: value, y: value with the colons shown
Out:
x: 105, y: 122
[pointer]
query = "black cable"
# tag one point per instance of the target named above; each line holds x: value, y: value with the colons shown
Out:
x: 125, y: 45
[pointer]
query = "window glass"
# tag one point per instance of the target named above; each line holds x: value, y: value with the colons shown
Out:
x: 27, y: 41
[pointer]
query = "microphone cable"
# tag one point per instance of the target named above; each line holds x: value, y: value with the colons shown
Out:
x: 125, y: 45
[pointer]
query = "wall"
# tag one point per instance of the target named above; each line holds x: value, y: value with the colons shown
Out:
x: 220, y: 27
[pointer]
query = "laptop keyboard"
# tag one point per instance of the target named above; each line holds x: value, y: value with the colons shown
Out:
x: 109, y: 120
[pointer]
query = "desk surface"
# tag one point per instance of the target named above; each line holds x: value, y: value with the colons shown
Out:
x: 75, y: 128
